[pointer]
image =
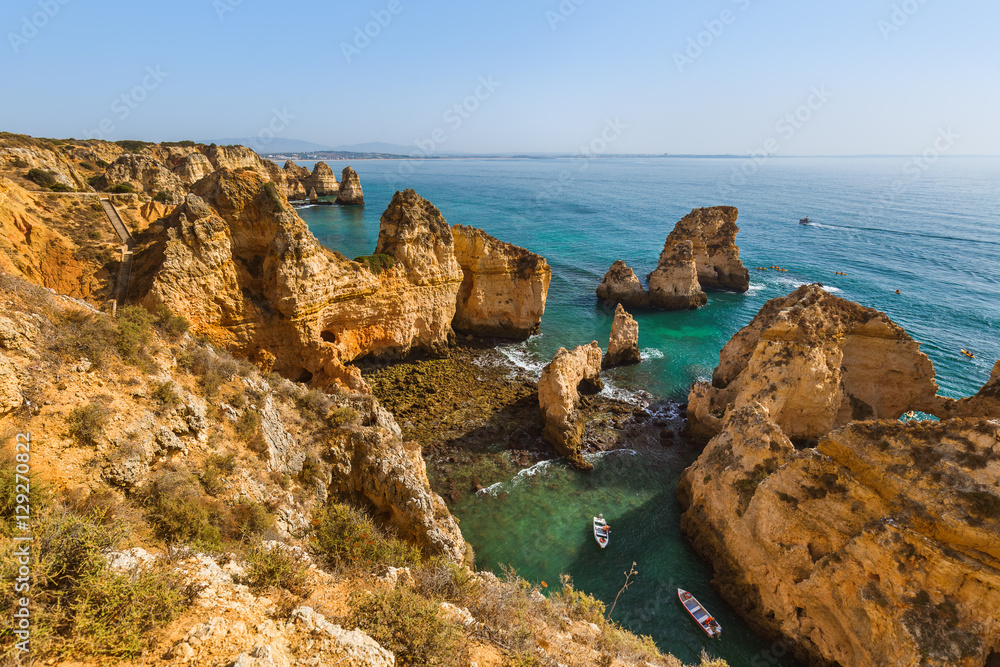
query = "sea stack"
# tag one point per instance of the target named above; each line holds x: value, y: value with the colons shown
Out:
x: 674, y: 285
x: 712, y: 233
x: 323, y: 180
x: 350, y: 189
x: 623, y: 344
x: 313, y: 197
x: 620, y: 285
x: 504, y: 286
x: 563, y: 380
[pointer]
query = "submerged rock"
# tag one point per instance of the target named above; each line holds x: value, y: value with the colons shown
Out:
x: 673, y: 285
x: 504, y: 287
x: 712, y: 233
x: 620, y: 285
x: 623, y: 344
x: 350, y: 193
x: 816, y: 362
x: 559, y: 388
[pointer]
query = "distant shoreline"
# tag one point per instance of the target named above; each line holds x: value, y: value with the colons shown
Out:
x: 318, y: 158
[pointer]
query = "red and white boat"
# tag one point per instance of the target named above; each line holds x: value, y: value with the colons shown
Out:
x: 700, y: 615
x: 602, y: 531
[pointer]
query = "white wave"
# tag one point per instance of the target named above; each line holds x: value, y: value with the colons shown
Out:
x: 754, y: 288
x: 799, y: 283
x: 521, y: 358
x: 600, y: 455
x: 637, y: 398
x: 531, y: 471
x: 651, y: 353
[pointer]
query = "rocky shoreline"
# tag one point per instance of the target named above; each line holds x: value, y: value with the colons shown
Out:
x: 476, y: 416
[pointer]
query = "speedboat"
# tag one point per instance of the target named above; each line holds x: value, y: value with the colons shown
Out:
x: 700, y: 615
x: 804, y: 221
x: 602, y: 531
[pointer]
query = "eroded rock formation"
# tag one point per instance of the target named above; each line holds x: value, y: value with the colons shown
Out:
x: 620, y: 285
x: 323, y: 180
x: 350, y: 193
x: 673, y: 285
x: 816, y: 362
x: 878, y: 547
x: 143, y: 173
x: 10, y: 392
x: 193, y: 168
x: 504, y: 287
x: 985, y: 403
x: 712, y: 232
x: 559, y: 388
x: 623, y: 344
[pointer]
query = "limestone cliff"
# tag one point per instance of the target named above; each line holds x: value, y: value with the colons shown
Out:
x: 193, y: 168
x: 816, y: 362
x: 559, y: 388
x: 985, y: 403
x: 623, y: 344
x: 712, y: 232
x: 322, y: 179
x: 878, y: 547
x: 674, y: 285
x: 503, y: 289
x: 620, y: 285
x: 143, y: 173
x: 350, y: 193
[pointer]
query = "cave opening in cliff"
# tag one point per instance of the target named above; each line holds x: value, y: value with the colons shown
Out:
x: 304, y: 376
x: 992, y: 660
x: 329, y: 336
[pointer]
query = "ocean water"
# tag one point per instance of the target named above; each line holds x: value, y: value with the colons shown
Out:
x: 934, y: 235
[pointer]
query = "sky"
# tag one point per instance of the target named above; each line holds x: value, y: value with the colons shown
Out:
x: 788, y: 77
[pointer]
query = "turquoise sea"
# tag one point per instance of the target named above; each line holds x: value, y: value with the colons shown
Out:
x: 932, y: 232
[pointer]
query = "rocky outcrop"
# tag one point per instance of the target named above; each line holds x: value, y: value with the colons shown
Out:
x: 623, y: 344
x: 350, y: 193
x: 193, y: 168
x: 374, y: 466
x: 10, y: 391
x: 712, y: 233
x: 295, y: 171
x: 503, y: 289
x: 673, y: 285
x: 323, y: 180
x: 816, y: 362
x: 20, y: 156
x: 559, y: 388
x: 143, y: 173
x: 878, y: 547
x: 313, y: 197
x: 620, y: 285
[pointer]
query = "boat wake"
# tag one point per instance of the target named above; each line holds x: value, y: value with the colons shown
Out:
x: 542, y: 467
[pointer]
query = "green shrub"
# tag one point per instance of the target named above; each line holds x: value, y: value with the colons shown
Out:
x: 61, y: 187
x: 86, y: 423
x: 83, y: 334
x: 123, y: 189
x: 180, y: 512
x: 346, y: 534
x: 274, y: 197
x: 166, y: 394
x: 134, y: 339
x: 377, y: 264
x: 80, y: 606
x: 406, y: 624
x: 43, y: 177
x: 87, y: 166
x: 271, y: 566
x: 579, y: 605
x: 171, y: 325
x: 213, y: 369
x: 132, y: 146
x: 217, y: 465
x: 252, y: 519
x: 163, y: 197
x: 339, y: 417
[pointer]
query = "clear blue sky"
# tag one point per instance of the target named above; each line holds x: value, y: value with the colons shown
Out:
x: 228, y: 64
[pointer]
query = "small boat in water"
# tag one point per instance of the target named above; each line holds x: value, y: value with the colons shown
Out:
x: 968, y: 354
x: 602, y: 531
x: 700, y: 615
x: 804, y: 221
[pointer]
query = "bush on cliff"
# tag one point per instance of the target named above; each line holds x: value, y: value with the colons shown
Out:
x: 407, y: 624
x: 181, y: 512
x: 123, y: 189
x: 43, y: 177
x: 347, y: 535
x: 86, y: 423
x: 272, y: 566
x: 377, y: 264
x: 134, y: 339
